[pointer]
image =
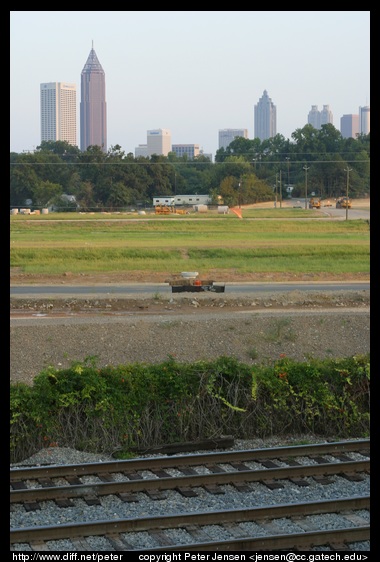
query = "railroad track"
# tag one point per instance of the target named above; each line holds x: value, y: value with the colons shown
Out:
x: 187, y: 475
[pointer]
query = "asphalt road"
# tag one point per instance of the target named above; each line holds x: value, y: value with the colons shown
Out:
x: 135, y: 289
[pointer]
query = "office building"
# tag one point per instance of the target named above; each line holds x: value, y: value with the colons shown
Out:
x: 191, y: 150
x: 349, y: 126
x: 265, y: 118
x: 159, y: 141
x: 319, y: 118
x: 93, y: 107
x: 141, y: 150
x: 226, y: 136
x: 364, y: 120
x: 58, y: 101
x: 314, y: 117
x: 326, y: 116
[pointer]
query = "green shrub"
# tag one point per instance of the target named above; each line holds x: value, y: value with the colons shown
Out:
x: 141, y: 405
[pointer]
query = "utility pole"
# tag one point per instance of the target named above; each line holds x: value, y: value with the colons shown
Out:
x: 306, y: 169
x: 275, y: 203
x: 288, y: 161
x: 348, y: 170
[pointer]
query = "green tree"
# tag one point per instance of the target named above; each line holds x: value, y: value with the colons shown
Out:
x: 23, y: 180
x: 92, y: 176
x: 45, y: 192
x: 85, y: 196
x: 228, y: 191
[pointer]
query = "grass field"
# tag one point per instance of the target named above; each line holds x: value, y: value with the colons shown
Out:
x: 113, y: 243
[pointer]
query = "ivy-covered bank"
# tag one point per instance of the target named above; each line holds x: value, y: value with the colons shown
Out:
x: 144, y: 405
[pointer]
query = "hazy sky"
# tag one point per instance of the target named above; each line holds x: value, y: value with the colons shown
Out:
x: 191, y: 72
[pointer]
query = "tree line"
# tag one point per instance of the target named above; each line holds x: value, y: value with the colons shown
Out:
x: 316, y: 161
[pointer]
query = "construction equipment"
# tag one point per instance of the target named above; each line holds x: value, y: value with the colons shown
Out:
x: 343, y: 203
x: 189, y: 281
x: 315, y: 203
x: 166, y: 210
x: 162, y: 210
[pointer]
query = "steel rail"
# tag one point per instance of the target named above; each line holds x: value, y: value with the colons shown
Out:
x: 170, y: 483
x: 292, y: 541
x: 176, y: 461
x: 106, y: 527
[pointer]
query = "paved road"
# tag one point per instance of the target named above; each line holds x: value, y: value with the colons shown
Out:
x: 134, y: 289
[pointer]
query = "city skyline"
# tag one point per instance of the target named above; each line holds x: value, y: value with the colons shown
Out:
x: 194, y: 73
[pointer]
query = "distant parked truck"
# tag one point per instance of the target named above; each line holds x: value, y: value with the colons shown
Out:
x: 343, y: 203
x: 315, y: 203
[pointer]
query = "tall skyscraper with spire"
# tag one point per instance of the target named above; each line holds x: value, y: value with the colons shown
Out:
x: 265, y: 118
x: 93, y: 107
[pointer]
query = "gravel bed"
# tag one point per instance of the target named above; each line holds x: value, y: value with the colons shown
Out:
x: 113, y: 508
x: 251, y: 336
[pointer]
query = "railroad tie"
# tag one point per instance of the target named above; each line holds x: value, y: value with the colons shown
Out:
x: 271, y: 527
x: 352, y: 476
x: 290, y: 462
x: 236, y: 531
x: 161, y: 537
x: 303, y: 523
x: 38, y: 545
x: 269, y: 463
x: 341, y: 457
x: 239, y: 466
x: 356, y: 519
x: 188, y: 471
x: 324, y: 480
x: 18, y: 485
x: 213, y: 489
x: 64, y: 502
x: 81, y: 544
x: 118, y: 543
x: 127, y: 497
x: 132, y: 475
x: 197, y: 533
x: 73, y: 480
x: 215, y: 468
x: 155, y: 494
x: 160, y: 473
x: 106, y: 477
x: 241, y: 486
x: 92, y: 500
x: 299, y: 482
x: 319, y: 460
x: 272, y: 484
x: 32, y: 506
x: 46, y: 482
x: 335, y: 546
x: 186, y: 492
